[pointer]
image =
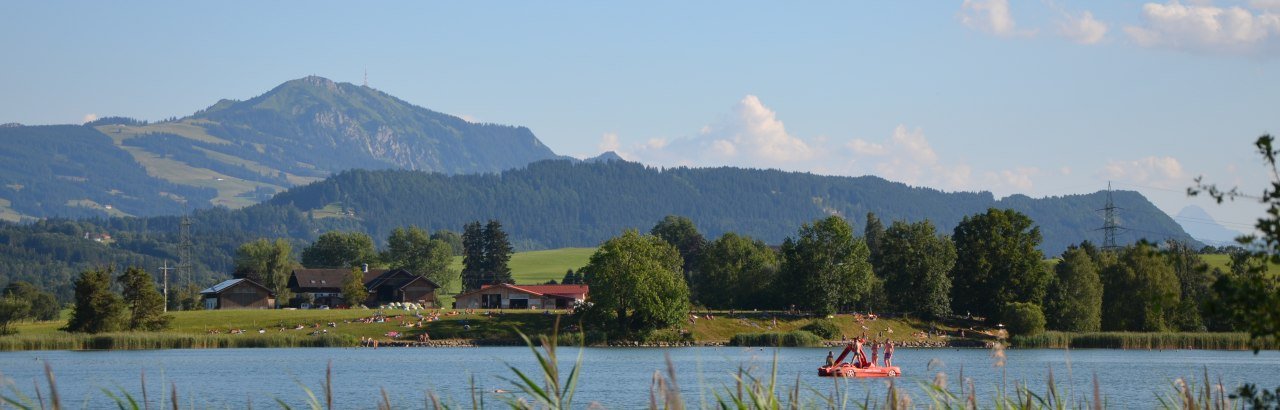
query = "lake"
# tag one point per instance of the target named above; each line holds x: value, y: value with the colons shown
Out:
x: 613, y: 377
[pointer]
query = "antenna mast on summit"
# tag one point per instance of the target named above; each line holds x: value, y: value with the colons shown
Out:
x: 1109, y: 224
x: 366, y: 76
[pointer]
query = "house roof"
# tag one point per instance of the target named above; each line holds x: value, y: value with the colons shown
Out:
x: 327, y: 278
x: 564, y: 291
x: 556, y: 290
x: 224, y: 285
x: 398, y: 278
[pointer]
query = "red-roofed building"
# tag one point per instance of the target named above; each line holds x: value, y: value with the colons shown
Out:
x: 508, y: 296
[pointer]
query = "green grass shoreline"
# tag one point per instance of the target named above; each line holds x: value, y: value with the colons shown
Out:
x: 1142, y: 341
x: 344, y: 328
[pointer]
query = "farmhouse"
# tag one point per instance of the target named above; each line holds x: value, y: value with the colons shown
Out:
x: 399, y: 285
x: 238, y: 294
x: 508, y: 296
x: 321, y: 286
x: 324, y: 286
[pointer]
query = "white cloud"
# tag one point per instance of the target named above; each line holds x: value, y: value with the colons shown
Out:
x: 749, y: 135
x: 756, y: 131
x: 1065, y: 171
x: 1205, y: 28
x: 1016, y: 179
x: 609, y: 142
x: 908, y: 157
x: 862, y: 147
x: 88, y: 117
x: 1269, y: 5
x: 468, y: 118
x: 1158, y: 172
x: 990, y: 16
x: 1082, y: 28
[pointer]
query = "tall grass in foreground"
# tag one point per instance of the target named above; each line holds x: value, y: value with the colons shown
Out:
x: 547, y: 389
x: 1132, y: 340
x: 137, y: 341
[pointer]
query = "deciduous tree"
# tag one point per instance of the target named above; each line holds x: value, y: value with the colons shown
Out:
x: 412, y: 250
x: 267, y: 262
x: 353, y: 290
x: 44, y: 306
x: 1195, y: 281
x: 340, y: 250
x: 1139, y: 292
x: 636, y: 283
x: 825, y: 268
x: 12, y: 309
x: 914, y: 263
x: 736, y: 272
x: 997, y: 263
x: 1253, y: 299
x: 1073, y: 302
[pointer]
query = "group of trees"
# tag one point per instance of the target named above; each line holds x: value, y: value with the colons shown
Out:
x: 22, y: 301
x: 990, y: 267
x: 99, y: 309
x: 486, y: 252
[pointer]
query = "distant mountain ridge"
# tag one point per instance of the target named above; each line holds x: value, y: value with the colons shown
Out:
x: 552, y: 204
x: 245, y: 151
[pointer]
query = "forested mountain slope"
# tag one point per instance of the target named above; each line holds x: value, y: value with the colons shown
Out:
x: 562, y: 203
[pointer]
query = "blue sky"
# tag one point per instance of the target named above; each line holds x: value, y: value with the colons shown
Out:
x: 1032, y: 97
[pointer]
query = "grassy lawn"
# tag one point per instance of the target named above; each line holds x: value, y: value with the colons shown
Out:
x: 481, y: 325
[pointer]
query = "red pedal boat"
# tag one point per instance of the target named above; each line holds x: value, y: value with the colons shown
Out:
x: 859, y: 366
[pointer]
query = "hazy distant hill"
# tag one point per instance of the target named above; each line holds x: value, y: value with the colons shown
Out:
x: 1200, y: 225
x: 563, y: 203
x: 238, y: 153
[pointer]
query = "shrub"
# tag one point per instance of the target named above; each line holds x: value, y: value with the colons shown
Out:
x: 1023, y: 318
x: 824, y: 328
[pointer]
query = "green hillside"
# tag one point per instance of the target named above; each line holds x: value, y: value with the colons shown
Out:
x: 239, y: 153
x: 76, y: 171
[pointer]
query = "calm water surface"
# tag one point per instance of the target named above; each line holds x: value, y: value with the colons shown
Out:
x: 612, y: 377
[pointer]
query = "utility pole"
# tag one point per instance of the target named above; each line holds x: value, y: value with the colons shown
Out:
x: 166, y: 270
x: 1109, y: 224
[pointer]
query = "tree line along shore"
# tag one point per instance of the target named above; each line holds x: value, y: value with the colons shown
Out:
x: 648, y: 288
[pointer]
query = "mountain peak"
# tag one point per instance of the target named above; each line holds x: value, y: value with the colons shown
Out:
x: 606, y: 156
x: 1200, y: 225
x: 316, y: 81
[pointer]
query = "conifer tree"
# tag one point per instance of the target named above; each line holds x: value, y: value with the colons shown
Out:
x: 146, y: 305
